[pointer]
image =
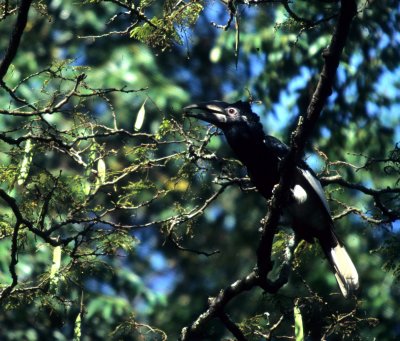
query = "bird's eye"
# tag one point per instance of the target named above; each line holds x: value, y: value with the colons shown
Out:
x: 231, y: 111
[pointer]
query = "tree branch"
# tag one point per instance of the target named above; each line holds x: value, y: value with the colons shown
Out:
x: 15, y: 37
x: 374, y: 193
x: 303, y: 131
x: 217, y: 305
x: 14, y: 245
x: 299, y: 138
x: 231, y: 326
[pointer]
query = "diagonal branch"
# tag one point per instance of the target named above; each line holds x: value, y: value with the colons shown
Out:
x: 252, y: 280
x: 376, y: 194
x: 231, y: 326
x: 20, y: 220
x: 299, y: 138
x: 303, y: 131
x: 15, y: 37
x: 14, y: 246
x: 13, y: 263
x: 217, y: 304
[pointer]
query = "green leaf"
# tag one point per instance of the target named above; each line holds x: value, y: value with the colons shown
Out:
x: 215, y: 54
x: 77, y: 328
x: 164, y: 128
x: 26, y: 162
x: 101, y: 170
x: 140, y: 116
x: 298, y: 323
x: 55, y: 268
x: 91, y: 158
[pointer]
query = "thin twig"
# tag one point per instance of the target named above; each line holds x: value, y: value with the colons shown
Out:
x: 231, y: 326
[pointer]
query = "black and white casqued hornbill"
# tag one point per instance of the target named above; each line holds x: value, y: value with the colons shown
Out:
x: 261, y: 154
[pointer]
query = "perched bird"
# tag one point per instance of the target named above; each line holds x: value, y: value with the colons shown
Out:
x: 261, y: 154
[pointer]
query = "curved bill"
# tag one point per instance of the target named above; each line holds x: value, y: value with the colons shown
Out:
x: 211, y: 112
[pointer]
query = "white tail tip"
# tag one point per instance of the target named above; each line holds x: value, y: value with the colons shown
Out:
x: 345, y: 271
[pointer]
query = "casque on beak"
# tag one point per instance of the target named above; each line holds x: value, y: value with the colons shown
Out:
x: 212, y: 112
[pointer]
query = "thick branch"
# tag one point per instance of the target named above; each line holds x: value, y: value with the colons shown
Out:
x: 14, y: 246
x: 217, y: 305
x: 15, y: 37
x: 304, y: 129
x: 299, y: 138
x: 20, y: 220
x: 13, y: 263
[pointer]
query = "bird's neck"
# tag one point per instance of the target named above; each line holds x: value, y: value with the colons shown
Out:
x: 260, y: 159
x: 247, y: 143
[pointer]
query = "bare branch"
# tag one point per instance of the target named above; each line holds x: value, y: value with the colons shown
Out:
x: 304, y: 129
x: 278, y: 200
x: 376, y: 194
x: 231, y: 326
x: 15, y: 38
x: 197, y: 252
x: 13, y: 263
x: 218, y: 304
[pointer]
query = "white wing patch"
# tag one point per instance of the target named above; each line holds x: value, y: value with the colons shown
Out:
x: 299, y: 194
x: 316, y: 185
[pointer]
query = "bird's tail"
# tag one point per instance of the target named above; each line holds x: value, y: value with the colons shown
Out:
x: 343, y: 267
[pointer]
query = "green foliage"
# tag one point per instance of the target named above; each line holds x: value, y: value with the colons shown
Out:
x: 122, y: 199
x: 298, y: 323
x: 130, y: 328
x: 140, y: 117
x: 55, y: 268
x: 77, y: 328
x: 392, y: 258
x: 25, y: 164
x: 165, y: 128
x: 177, y: 18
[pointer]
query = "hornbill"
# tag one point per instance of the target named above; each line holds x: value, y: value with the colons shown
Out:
x: 308, y: 208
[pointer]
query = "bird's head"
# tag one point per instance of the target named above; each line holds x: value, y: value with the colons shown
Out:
x: 223, y: 115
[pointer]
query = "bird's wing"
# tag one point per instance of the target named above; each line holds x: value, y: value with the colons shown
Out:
x: 281, y: 151
x: 276, y: 145
x: 315, y: 184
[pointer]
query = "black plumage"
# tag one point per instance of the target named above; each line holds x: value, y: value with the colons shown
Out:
x: 261, y: 154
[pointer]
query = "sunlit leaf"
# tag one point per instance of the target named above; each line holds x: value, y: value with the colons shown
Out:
x: 26, y: 162
x: 179, y: 186
x: 140, y: 116
x: 298, y: 323
x: 101, y: 170
x: 215, y: 54
x: 77, y: 328
x: 55, y: 268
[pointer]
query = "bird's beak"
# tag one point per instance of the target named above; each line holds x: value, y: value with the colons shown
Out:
x: 211, y: 112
